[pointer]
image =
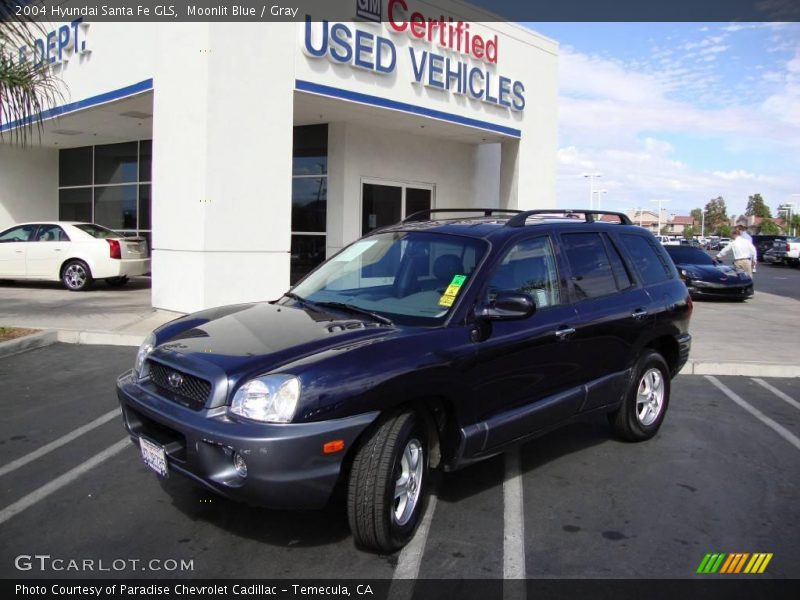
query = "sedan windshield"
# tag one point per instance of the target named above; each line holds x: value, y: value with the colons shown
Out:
x: 408, y: 277
x: 686, y: 255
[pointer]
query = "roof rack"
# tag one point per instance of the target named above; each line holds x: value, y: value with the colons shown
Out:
x: 424, y: 215
x: 520, y: 219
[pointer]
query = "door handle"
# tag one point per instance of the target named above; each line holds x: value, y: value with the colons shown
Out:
x: 56, y: 249
x: 564, y: 332
x: 18, y: 251
x: 639, y: 314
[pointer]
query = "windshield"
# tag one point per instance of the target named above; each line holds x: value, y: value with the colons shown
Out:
x: 686, y: 255
x: 410, y: 277
x: 97, y: 231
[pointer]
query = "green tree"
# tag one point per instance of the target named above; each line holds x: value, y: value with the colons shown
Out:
x: 769, y: 227
x: 716, y: 214
x: 690, y: 232
x: 724, y: 230
x: 757, y: 208
x: 25, y: 89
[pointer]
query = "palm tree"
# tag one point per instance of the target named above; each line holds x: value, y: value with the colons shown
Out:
x: 26, y: 91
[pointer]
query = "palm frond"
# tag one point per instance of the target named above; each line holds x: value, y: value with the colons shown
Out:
x: 26, y: 91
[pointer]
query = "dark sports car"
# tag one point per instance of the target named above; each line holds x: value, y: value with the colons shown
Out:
x: 707, y: 279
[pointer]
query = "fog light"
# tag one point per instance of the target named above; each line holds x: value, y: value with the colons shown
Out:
x: 239, y: 464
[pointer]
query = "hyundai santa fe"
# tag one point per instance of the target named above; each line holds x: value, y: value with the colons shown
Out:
x: 429, y: 344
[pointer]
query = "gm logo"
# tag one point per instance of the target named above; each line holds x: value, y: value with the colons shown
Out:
x: 369, y: 10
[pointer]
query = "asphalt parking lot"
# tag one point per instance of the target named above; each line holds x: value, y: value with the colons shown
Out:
x: 721, y: 476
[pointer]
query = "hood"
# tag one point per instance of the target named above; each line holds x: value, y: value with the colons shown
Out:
x: 712, y: 273
x: 258, y: 337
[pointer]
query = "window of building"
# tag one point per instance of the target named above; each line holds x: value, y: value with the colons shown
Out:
x: 309, y: 198
x: 109, y: 185
x: 385, y: 203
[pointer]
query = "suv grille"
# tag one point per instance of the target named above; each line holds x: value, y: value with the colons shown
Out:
x: 180, y: 387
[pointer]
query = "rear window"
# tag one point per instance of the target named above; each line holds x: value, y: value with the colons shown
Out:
x: 646, y: 259
x: 688, y: 256
x: 96, y: 231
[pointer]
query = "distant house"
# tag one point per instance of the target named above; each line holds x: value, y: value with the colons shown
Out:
x: 753, y: 224
x: 674, y: 224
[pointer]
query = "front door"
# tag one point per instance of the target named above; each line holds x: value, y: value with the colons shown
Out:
x: 386, y: 203
x: 13, y: 248
x: 525, y: 371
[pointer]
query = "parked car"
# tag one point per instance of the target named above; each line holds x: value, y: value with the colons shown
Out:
x: 426, y: 344
x: 786, y: 251
x: 705, y: 278
x: 74, y: 253
x: 667, y: 240
x: 763, y: 243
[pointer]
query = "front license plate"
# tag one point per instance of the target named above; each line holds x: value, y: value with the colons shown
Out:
x: 154, y: 456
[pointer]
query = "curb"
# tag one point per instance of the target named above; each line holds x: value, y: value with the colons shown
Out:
x: 28, y: 342
x: 102, y: 338
x: 753, y: 369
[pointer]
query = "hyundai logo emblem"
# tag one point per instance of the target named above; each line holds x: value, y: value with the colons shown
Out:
x: 175, y: 380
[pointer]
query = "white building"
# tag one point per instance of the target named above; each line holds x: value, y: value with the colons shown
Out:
x: 250, y: 152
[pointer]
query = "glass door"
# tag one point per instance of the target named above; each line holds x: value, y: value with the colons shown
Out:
x: 386, y: 203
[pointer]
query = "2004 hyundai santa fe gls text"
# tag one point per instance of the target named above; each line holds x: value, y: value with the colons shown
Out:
x: 431, y: 343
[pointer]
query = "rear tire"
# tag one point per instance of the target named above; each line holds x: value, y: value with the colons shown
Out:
x: 646, y: 400
x: 388, y: 483
x: 76, y: 276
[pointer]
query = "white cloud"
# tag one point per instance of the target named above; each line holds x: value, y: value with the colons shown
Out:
x: 734, y: 175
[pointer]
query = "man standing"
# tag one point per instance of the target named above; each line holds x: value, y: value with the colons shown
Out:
x: 744, y: 253
x: 743, y: 232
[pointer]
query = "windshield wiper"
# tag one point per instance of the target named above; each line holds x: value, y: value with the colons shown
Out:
x: 356, y: 309
x: 302, y: 301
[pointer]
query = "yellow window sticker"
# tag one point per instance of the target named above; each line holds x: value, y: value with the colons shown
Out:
x: 452, y: 290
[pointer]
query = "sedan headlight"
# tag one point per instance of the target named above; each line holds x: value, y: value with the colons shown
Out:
x: 139, y: 367
x: 270, y: 399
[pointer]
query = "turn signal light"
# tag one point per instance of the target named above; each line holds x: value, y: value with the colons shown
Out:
x: 333, y: 446
x: 114, y: 251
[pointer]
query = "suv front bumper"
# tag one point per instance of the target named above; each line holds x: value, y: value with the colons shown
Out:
x: 286, y: 465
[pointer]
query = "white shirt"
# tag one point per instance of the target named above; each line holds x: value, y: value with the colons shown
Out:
x: 740, y: 248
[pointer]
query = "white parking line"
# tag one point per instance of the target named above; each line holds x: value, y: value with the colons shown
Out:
x: 777, y: 392
x: 513, y: 519
x: 65, y: 439
x: 779, y: 429
x: 411, y: 556
x: 61, y: 481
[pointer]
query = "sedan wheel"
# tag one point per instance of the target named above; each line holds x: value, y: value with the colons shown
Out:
x: 76, y: 276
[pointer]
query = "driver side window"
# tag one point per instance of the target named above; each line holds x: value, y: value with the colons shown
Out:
x: 528, y: 268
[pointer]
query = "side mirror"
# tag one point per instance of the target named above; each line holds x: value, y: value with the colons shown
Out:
x: 507, y: 306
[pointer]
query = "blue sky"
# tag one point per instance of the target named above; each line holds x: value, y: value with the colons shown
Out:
x: 679, y: 111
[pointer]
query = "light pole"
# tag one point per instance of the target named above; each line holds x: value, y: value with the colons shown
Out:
x: 660, y: 201
x: 591, y: 177
x: 703, y: 224
x: 600, y: 194
x: 787, y: 208
x: 795, y: 212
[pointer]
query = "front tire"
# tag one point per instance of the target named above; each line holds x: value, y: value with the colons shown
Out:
x: 387, y: 484
x: 646, y: 400
x: 76, y: 276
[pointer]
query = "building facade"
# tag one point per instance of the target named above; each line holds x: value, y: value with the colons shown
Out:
x: 247, y: 153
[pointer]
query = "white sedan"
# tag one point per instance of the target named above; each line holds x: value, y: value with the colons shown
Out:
x: 74, y: 253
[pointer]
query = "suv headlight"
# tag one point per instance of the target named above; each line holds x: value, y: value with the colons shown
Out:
x: 139, y: 367
x: 270, y: 399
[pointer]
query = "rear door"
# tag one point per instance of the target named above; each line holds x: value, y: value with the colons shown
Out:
x: 13, y: 249
x: 614, y: 311
x: 47, y: 251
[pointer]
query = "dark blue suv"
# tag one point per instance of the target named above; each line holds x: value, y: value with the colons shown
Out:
x: 428, y: 344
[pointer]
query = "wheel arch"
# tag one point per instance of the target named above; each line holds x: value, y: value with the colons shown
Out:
x: 666, y: 346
